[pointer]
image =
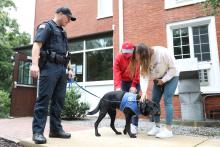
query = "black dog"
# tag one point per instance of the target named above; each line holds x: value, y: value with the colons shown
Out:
x: 112, y: 101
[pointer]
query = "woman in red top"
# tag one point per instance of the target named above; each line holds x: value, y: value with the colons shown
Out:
x: 123, y: 79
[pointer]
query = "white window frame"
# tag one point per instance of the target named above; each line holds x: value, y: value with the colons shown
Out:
x: 213, y: 65
x: 169, y: 4
x: 84, y: 51
x: 99, y: 15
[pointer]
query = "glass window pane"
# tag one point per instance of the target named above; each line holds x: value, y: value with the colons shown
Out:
x: 177, y: 50
x: 76, y: 45
x: 99, y: 42
x: 77, y: 65
x: 185, y: 40
x: 198, y: 56
x: 186, y: 56
x: 176, y: 41
x: 196, y: 31
x: 203, y: 29
x: 197, y: 49
x: 196, y: 39
x: 204, y: 38
x: 206, y: 57
x: 178, y: 57
x: 184, y: 32
x: 105, y: 8
x: 176, y: 33
x: 99, y: 65
x: 24, y: 76
x: 186, y: 50
x: 205, y: 48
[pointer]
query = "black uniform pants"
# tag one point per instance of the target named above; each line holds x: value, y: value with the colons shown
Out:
x: 52, y: 88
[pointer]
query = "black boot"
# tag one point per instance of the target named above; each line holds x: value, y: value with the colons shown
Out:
x: 39, y: 138
x: 60, y: 134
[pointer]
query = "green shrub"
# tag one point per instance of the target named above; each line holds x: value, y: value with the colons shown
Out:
x: 73, y: 108
x: 4, y: 104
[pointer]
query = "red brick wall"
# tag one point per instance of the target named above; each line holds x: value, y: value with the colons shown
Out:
x: 217, y: 19
x: 84, y: 10
x: 145, y: 20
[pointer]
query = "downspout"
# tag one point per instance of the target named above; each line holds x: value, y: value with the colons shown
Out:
x: 121, y: 23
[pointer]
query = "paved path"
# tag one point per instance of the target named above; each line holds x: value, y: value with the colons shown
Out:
x: 86, y: 138
x: 20, y: 128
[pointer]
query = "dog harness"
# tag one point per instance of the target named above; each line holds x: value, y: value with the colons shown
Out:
x: 129, y: 101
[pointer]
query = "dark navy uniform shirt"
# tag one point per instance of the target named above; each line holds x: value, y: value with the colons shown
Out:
x: 129, y: 101
x: 52, y: 36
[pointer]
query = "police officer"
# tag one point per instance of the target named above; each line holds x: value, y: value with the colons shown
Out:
x: 50, y: 50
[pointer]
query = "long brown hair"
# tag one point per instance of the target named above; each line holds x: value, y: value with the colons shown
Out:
x: 145, y: 54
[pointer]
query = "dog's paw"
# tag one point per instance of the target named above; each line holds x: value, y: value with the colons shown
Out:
x: 118, y: 133
x: 97, y: 135
x: 125, y: 132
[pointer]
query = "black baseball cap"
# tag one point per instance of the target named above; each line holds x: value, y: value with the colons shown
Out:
x: 66, y: 11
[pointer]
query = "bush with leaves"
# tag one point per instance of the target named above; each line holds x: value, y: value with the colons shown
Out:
x: 4, y: 104
x: 73, y: 108
x: 211, y: 7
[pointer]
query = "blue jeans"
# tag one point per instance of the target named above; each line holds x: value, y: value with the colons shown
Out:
x: 125, y: 86
x: 167, y: 90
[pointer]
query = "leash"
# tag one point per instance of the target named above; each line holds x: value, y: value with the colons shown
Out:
x: 70, y: 81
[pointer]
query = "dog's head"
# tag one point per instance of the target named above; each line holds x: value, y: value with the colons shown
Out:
x: 149, y: 108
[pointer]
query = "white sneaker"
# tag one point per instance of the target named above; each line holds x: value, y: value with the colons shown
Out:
x: 164, y: 133
x: 134, y: 129
x: 155, y: 130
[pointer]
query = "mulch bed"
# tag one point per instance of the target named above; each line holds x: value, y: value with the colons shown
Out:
x: 8, y: 143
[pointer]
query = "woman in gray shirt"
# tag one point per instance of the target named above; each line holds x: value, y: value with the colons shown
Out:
x: 158, y: 64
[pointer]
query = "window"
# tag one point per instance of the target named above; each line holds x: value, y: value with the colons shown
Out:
x: 99, y: 65
x: 181, y: 45
x: 92, y: 58
x: 201, y: 43
x: 199, y: 48
x: 24, y: 76
x: 179, y: 3
x: 105, y: 8
x: 194, y: 44
x: 203, y: 77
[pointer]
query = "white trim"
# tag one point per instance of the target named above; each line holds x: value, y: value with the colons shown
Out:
x: 101, y: 16
x: 213, y: 65
x: 27, y: 86
x: 179, y: 3
x: 121, y: 23
x: 90, y: 50
x: 96, y: 83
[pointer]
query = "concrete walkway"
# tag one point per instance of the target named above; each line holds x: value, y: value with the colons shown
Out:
x: 86, y: 138
x: 19, y: 130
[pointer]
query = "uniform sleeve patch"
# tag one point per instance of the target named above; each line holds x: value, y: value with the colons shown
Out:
x: 42, y: 26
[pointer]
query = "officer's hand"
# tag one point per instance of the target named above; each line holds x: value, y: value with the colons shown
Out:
x: 34, y: 70
x: 70, y: 74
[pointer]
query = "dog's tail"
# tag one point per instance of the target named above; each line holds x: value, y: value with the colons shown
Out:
x: 95, y: 110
